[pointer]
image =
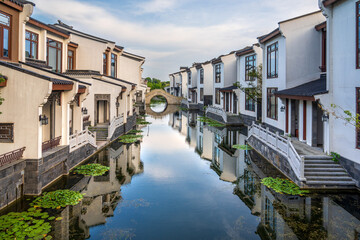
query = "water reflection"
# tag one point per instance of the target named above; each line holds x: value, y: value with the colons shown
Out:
x: 317, y: 216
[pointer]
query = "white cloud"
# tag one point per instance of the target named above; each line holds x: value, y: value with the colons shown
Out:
x: 155, y: 6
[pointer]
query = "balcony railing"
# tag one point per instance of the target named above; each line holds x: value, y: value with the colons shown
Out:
x: 78, y: 140
x: 11, y: 156
x: 115, y: 123
x: 51, y: 144
x: 217, y: 111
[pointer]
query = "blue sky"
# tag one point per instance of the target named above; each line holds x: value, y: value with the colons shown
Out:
x: 174, y: 33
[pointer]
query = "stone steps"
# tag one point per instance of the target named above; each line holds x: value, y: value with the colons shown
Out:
x: 101, y: 133
x: 330, y: 183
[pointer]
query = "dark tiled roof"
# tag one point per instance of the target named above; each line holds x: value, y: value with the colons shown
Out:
x: 38, y: 63
x: 51, y: 26
x: 61, y: 82
x: 268, y: 36
x: 230, y: 88
x: 245, y: 50
x: 120, y: 80
x: 55, y: 73
x: 309, y: 89
x: 102, y: 80
x: 82, y: 86
x: 22, y: 2
x: 120, y: 47
x: 82, y: 72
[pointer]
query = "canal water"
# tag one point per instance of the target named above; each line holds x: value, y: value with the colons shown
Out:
x: 184, y: 181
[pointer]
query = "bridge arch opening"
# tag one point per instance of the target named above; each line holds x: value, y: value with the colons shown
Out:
x: 158, y: 104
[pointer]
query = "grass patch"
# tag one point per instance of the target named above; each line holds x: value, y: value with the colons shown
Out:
x: 283, y: 186
x: 58, y: 199
x: 93, y: 169
x: 335, y: 157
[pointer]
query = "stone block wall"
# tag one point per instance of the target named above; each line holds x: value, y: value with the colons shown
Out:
x: 11, y: 182
x: 79, y: 155
x: 352, y: 168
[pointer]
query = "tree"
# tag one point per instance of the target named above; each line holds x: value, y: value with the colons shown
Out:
x: 154, y: 83
x: 253, y: 89
x: 339, y: 113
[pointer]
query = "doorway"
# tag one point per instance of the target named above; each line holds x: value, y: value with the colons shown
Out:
x: 295, y: 118
x: 102, y: 111
x: 317, y: 126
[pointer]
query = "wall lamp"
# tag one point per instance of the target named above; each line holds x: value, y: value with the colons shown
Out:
x: 43, y: 120
x: 117, y: 104
x: 325, y: 117
x: 84, y: 111
x: 282, y: 109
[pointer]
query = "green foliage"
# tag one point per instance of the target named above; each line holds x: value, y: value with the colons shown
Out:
x: 58, y: 199
x: 253, y: 89
x: 335, y: 156
x: 158, y: 99
x: 135, y: 131
x: 339, y: 113
x: 25, y: 225
x: 93, y: 169
x: 183, y: 109
x: 130, y: 138
x: 2, y: 79
x: 242, y: 147
x: 154, y: 83
x: 141, y: 121
x: 210, y: 122
x: 283, y: 186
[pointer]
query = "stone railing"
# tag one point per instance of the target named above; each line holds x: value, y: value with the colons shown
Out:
x: 217, y: 111
x: 114, y: 124
x: 282, y: 145
x: 11, y: 156
x: 51, y: 144
x: 80, y: 139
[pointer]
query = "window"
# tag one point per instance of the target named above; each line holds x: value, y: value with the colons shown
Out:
x: 6, y: 132
x: 54, y: 58
x: 250, y: 66
x: 249, y: 101
x: 273, y: 60
x: 217, y: 96
x: 217, y: 73
x: 113, y: 65
x: 201, y: 94
x: 31, y: 45
x: 272, y: 103
x: 201, y: 76
x: 358, y: 112
x: 357, y: 35
x: 5, y: 24
x: 189, y: 78
x: 105, y: 63
x: 71, y: 59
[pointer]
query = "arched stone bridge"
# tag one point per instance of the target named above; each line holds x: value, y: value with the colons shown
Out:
x: 171, y: 100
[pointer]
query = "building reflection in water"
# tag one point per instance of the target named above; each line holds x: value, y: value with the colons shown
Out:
x: 316, y: 216
x: 102, y: 193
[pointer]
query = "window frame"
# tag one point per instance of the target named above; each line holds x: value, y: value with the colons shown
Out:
x: 189, y: 78
x: 357, y: 136
x: 247, y: 102
x: 217, y: 95
x: 32, y: 41
x: 269, y: 51
x: 73, y: 58
x: 58, y: 49
x: 201, y: 76
x: 249, y: 68
x: 357, y: 43
x: 113, y: 57
x: 268, y: 103
x: 218, y: 73
x: 9, y: 28
x: 201, y: 94
x: 11, y: 135
x: 105, y: 63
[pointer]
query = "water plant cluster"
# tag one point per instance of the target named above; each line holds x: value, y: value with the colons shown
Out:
x: 58, y: 199
x: 210, y: 122
x: 135, y: 131
x: 130, y: 138
x: 283, y: 186
x: 93, y: 169
x: 141, y: 120
x: 242, y: 147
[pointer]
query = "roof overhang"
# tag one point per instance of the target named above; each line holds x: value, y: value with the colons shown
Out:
x: 306, y: 98
x: 245, y: 51
x: 329, y: 2
x: 62, y: 87
x: 13, y: 5
x: 321, y: 26
x: 270, y: 36
x: 47, y: 28
x: 74, y: 45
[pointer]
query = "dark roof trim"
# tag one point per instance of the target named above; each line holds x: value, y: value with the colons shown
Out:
x: 55, y: 73
x: 133, y: 56
x: 82, y: 72
x: 120, y: 80
x: 34, y: 74
x: 305, y: 91
x: 329, y: 2
x: 119, y: 47
x: 72, y: 44
x: 228, y: 89
x: 271, y: 35
x: 301, y: 16
x: 245, y: 51
x: 216, y: 60
x: 321, y: 26
x: 49, y: 28
x: 102, y: 80
x: 81, y: 34
x: 14, y: 4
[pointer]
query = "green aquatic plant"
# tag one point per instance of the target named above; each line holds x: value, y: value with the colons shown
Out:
x: 335, y: 157
x: 130, y: 138
x: 58, y: 199
x: 135, y: 131
x: 32, y: 224
x: 183, y: 109
x: 141, y: 121
x: 283, y: 186
x: 242, y: 147
x: 210, y: 122
x: 93, y: 169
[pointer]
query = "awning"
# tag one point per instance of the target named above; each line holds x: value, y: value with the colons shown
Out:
x: 305, y: 91
x: 228, y: 89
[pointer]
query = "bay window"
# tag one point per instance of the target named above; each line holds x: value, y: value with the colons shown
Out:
x: 54, y: 56
x: 31, y: 45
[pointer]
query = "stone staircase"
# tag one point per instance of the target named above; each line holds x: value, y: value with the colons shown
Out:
x: 101, y: 132
x: 322, y: 171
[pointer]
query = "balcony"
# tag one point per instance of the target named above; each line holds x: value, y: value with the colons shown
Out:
x: 10, y: 157
x: 47, y: 145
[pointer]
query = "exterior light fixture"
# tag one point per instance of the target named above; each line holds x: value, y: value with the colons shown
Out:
x: 282, y: 109
x: 325, y: 117
x: 84, y: 111
x: 43, y: 120
x: 117, y: 104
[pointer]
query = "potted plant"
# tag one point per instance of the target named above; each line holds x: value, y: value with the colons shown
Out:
x: 3, y: 81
